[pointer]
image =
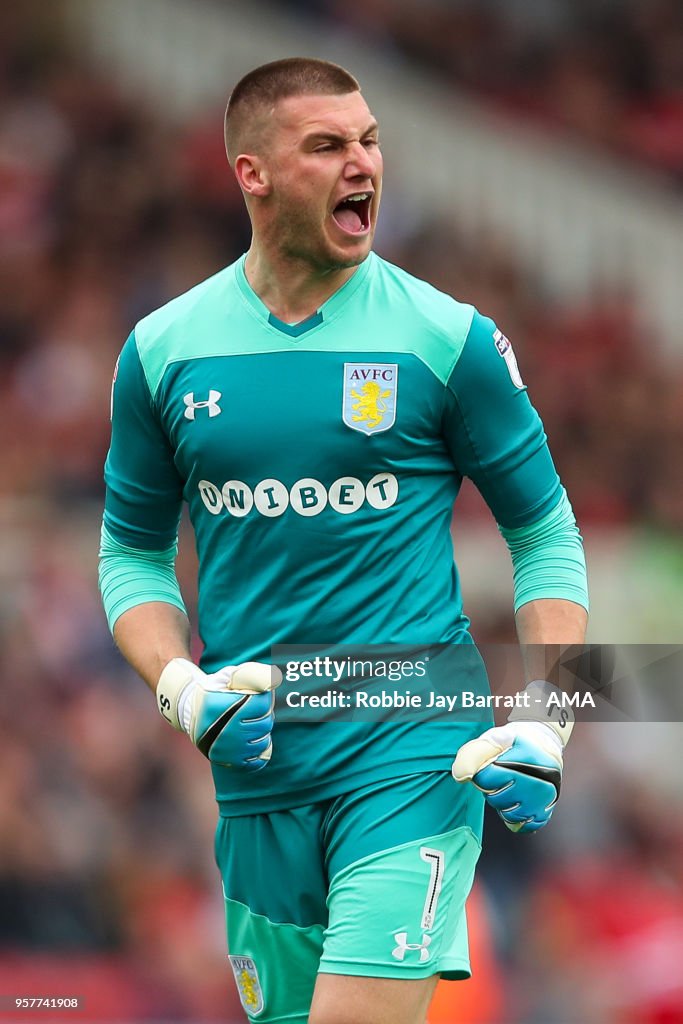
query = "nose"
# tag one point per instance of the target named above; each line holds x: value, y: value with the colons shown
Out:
x: 360, y: 163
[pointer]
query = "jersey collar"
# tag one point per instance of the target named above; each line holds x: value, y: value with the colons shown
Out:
x: 326, y: 312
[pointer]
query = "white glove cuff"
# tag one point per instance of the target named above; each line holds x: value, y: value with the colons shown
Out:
x: 174, y: 689
x: 547, y: 705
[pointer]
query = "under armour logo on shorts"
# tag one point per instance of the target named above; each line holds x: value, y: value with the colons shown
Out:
x: 403, y: 946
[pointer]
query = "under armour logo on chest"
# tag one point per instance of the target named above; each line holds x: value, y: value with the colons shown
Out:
x: 212, y: 404
x: 403, y: 946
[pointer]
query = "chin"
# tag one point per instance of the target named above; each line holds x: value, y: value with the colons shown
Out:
x: 352, y: 254
x: 353, y: 261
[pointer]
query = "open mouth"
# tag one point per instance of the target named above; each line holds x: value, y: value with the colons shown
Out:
x: 352, y: 215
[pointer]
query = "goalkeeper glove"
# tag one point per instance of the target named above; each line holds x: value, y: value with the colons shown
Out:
x: 518, y: 766
x: 228, y: 714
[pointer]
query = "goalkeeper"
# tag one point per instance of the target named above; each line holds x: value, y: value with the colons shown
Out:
x: 317, y: 409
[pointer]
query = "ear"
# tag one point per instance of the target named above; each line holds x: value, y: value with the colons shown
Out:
x: 252, y: 175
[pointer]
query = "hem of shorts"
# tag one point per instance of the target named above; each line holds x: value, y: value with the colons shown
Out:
x: 235, y: 807
x: 450, y: 969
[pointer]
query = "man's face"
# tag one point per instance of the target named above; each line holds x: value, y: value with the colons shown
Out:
x: 325, y: 171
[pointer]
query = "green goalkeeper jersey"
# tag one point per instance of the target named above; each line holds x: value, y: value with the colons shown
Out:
x: 320, y: 463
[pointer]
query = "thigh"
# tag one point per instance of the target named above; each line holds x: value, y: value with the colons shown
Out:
x: 342, y: 999
x: 275, y: 888
x: 401, y: 860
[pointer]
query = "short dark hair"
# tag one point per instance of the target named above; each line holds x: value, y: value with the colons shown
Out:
x: 261, y: 88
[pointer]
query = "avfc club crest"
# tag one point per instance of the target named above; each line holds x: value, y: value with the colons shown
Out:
x: 248, y: 984
x: 370, y: 391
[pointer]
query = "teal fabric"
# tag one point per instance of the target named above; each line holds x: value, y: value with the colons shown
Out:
x: 548, y: 558
x: 129, y: 577
x: 296, y: 330
x: 377, y: 904
x: 329, y: 885
x: 380, y: 308
x: 145, y: 490
x: 282, y: 966
x: 294, y: 853
x: 321, y: 508
x: 495, y: 435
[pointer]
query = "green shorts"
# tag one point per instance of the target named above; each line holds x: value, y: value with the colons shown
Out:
x: 369, y: 883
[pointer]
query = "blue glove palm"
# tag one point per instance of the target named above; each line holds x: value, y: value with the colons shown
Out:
x: 518, y: 768
x: 233, y: 729
x: 228, y: 714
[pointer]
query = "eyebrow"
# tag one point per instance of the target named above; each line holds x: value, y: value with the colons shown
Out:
x: 332, y: 136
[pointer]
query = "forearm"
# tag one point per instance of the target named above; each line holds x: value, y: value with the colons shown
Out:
x: 144, y: 606
x: 551, y: 593
x: 546, y: 629
x: 150, y: 635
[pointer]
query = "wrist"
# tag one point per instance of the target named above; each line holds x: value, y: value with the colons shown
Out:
x: 174, y: 690
x: 547, y: 705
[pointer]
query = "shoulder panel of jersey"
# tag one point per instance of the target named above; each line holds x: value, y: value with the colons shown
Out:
x: 194, y: 325
x: 162, y: 336
x: 443, y: 321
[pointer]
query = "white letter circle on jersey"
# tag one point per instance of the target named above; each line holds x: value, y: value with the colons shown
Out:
x: 382, y: 490
x: 211, y: 496
x: 307, y: 497
x: 237, y: 498
x: 369, y: 402
x: 505, y: 350
x: 271, y: 498
x: 347, y: 494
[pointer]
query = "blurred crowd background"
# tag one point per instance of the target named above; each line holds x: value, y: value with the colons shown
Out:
x: 107, y: 209
x: 608, y: 71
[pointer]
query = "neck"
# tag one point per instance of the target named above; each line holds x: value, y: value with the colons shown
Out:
x: 292, y: 289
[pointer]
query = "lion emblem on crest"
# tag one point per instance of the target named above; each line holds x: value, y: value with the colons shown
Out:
x: 370, y: 406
